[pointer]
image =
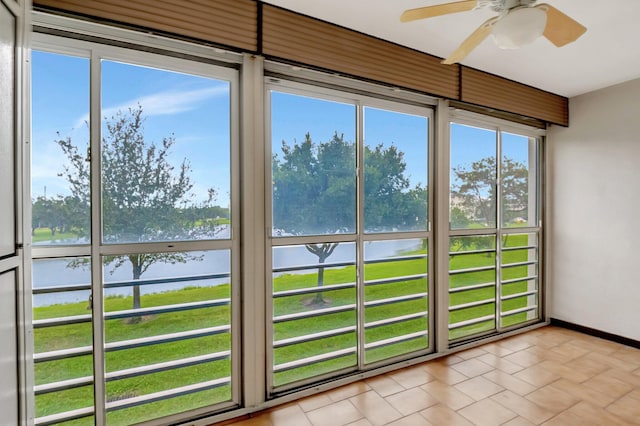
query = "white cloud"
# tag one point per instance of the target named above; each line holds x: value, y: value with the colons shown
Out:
x: 163, y: 103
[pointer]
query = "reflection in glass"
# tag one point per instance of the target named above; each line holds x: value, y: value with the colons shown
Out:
x: 473, y: 177
x: 395, y: 171
x: 59, y: 156
x: 165, y: 156
x: 518, y: 180
x: 313, y: 166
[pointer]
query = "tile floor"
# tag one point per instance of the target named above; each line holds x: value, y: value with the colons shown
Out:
x: 550, y: 376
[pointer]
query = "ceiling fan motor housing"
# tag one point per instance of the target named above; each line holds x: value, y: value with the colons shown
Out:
x: 500, y: 6
x: 519, y: 27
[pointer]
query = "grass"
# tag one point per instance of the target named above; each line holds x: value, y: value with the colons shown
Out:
x: 77, y: 335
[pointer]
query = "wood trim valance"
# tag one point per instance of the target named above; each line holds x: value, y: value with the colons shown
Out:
x: 256, y: 27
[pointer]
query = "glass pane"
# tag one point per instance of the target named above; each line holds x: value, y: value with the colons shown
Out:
x: 314, y: 310
x: 165, y: 155
x: 60, y: 132
x: 62, y: 335
x: 518, y: 181
x: 396, y: 298
x: 313, y: 166
x: 472, y: 285
x: 473, y: 177
x: 167, y: 326
x: 519, y: 270
x: 7, y: 132
x: 395, y: 171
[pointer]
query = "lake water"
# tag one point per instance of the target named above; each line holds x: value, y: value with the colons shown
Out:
x: 60, y: 272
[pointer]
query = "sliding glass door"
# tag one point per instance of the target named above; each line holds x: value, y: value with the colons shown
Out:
x: 494, y: 230
x: 135, y: 236
x: 349, y: 234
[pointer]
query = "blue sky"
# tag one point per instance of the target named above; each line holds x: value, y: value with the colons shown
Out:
x: 294, y: 115
x: 192, y: 108
x: 196, y: 111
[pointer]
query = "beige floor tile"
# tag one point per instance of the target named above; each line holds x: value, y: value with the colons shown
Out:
x: 291, y: 415
x: 634, y: 394
x: 447, y: 395
x: 524, y: 358
x: 348, y: 391
x: 606, y: 384
x: 523, y: 407
x: 537, y: 376
x: 361, y: 422
x: 487, y: 413
x: 599, y: 415
x: 500, y: 363
x: 629, y: 355
x: 444, y: 373
x: 623, y: 376
x: 375, y: 408
x: 552, y: 398
x: 411, y: 377
x: 451, y: 359
x: 497, y: 350
x: 411, y: 401
x: 569, y: 350
x: 412, y: 420
x: 384, y: 385
x: 336, y: 414
x: 316, y: 401
x: 547, y: 354
x: 472, y: 367
x: 566, y: 371
x: 471, y: 353
x: 627, y: 408
x: 611, y: 361
x: 510, y: 382
x: 479, y: 388
x: 588, y: 366
x: 514, y: 343
x: 568, y: 419
x: 442, y: 415
x: 259, y: 420
x: 518, y: 421
x: 584, y: 393
x: 594, y: 344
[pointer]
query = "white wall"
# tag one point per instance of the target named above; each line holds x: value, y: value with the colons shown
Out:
x: 594, y: 212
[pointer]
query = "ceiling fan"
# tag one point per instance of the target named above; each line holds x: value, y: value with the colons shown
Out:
x: 518, y: 23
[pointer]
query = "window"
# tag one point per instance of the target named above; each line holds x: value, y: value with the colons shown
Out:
x: 494, y: 230
x: 350, y: 234
x: 134, y: 235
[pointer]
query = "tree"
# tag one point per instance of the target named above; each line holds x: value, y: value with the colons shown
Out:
x: 476, y: 190
x: 145, y: 198
x: 314, y: 193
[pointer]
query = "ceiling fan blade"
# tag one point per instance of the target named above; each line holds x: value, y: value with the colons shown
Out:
x: 560, y: 29
x: 471, y: 42
x: 437, y: 10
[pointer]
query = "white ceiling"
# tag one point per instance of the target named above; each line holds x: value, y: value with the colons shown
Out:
x: 608, y: 53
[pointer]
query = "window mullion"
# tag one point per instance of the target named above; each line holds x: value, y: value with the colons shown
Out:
x: 96, y: 240
x: 499, y: 213
x: 360, y: 297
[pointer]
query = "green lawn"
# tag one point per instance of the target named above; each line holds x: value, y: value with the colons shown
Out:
x: 78, y: 335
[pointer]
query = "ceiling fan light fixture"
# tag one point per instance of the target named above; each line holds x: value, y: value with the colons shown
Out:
x: 519, y: 28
